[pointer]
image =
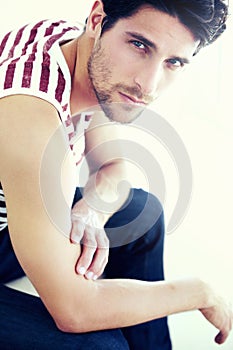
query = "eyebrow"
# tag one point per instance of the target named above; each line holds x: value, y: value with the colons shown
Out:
x: 140, y: 37
x: 153, y: 46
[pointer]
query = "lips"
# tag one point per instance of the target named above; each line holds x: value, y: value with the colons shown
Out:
x: 131, y: 99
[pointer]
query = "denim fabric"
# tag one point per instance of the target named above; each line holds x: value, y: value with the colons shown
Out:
x: 141, y: 259
x: 26, y: 324
x: 9, y: 266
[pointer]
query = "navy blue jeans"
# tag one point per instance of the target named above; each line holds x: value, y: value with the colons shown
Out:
x: 136, y: 234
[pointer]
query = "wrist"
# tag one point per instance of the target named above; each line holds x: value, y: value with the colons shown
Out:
x: 89, y: 215
x: 209, y: 297
x: 106, y: 199
x: 204, y: 293
x: 190, y: 294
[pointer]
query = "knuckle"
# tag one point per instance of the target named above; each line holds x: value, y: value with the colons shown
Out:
x: 77, y: 219
x: 75, y: 236
x: 103, y: 241
x: 79, y: 226
x: 106, y: 240
x: 90, y: 243
x: 76, y: 232
x: 90, y: 229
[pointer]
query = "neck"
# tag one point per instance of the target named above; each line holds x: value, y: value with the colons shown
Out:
x: 77, y: 53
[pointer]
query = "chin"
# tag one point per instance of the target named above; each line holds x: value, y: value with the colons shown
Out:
x: 122, y: 112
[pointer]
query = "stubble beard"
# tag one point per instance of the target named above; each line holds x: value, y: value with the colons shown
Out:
x: 100, y: 77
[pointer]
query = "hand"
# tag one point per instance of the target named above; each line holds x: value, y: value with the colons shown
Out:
x: 221, y: 316
x: 87, y: 229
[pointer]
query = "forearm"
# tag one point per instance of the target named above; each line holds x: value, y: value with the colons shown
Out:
x: 107, y: 189
x: 120, y: 303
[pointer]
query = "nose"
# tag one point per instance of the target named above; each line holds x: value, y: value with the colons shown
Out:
x: 149, y: 78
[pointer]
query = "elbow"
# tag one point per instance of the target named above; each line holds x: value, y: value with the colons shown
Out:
x: 69, y: 321
x: 67, y: 327
x: 71, y: 325
x: 74, y: 313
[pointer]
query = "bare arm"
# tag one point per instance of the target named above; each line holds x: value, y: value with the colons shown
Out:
x: 48, y: 257
x: 105, y: 192
x: 108, y: 180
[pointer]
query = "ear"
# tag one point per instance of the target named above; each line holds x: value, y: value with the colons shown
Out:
x: 97, y: 14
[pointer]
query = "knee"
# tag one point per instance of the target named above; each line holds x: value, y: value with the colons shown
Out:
x: 142, y: 214
x: 148, y: 226
x: 144, y: 205
x: 151, y: 214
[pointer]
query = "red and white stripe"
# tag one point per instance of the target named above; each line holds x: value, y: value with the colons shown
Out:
x: 31, y: 62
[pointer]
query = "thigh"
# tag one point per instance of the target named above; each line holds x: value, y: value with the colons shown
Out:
x: 25, y: 324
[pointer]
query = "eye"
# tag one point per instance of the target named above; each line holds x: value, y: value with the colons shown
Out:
x: 139, y: 45
x: 175, y: 63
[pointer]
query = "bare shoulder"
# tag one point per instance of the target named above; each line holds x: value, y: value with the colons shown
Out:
x: 22, y: 115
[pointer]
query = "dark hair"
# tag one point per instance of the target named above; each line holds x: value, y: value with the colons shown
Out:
x: 206, y: 19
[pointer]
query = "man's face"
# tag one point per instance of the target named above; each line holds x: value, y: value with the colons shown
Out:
x: 132, y: 63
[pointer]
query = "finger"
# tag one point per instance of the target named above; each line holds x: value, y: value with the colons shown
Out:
x: 98, y: 264
x: 77, y: 231
x: 101, y: 256
x: 221, y: 337
x: 85, y: 260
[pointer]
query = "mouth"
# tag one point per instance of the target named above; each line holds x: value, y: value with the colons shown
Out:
x: 132, y: 100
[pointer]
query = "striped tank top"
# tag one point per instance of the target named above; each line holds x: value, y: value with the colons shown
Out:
x: 32, y: 63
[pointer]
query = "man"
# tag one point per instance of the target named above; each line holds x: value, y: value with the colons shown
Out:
x: 50, y: 71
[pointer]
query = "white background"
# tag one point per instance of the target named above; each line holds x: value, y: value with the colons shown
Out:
x: 199, y: 107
